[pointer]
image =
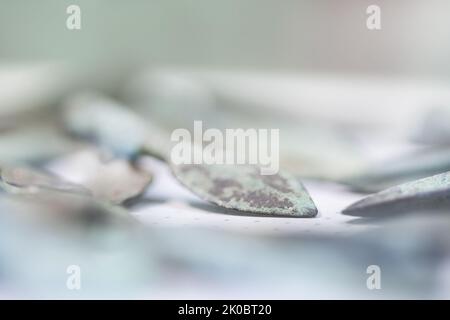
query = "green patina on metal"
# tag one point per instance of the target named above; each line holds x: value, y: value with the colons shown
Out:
x: 243, y: 188
x: 427, y: 193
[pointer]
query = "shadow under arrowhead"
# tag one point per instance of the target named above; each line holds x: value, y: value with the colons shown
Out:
x: 243, y: 188
x: 429, y: 194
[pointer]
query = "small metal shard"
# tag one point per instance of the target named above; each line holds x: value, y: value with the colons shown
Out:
x: 26, y: 180
x: 113, y: 180
x: 431, y: 193
x: 243, y: 188
x: 69, y: 209
x: 105, y: 122
x: 113, y: 126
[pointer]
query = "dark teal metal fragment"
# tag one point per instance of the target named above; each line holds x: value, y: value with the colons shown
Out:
x: 243, y: 188
x: 429, y: 194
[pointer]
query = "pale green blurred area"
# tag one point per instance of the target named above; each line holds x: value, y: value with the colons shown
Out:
x: 313, y: 61
x: 324, y: 35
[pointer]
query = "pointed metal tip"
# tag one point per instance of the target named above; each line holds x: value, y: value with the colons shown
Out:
x: 308, y: 212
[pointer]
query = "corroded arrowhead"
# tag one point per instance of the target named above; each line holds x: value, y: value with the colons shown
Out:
x: 431, y: 193
x: 70, y: 209
x: 113, y: 126
x: 113, y: 180
x: 243, y: 188
x: 26, y: 180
